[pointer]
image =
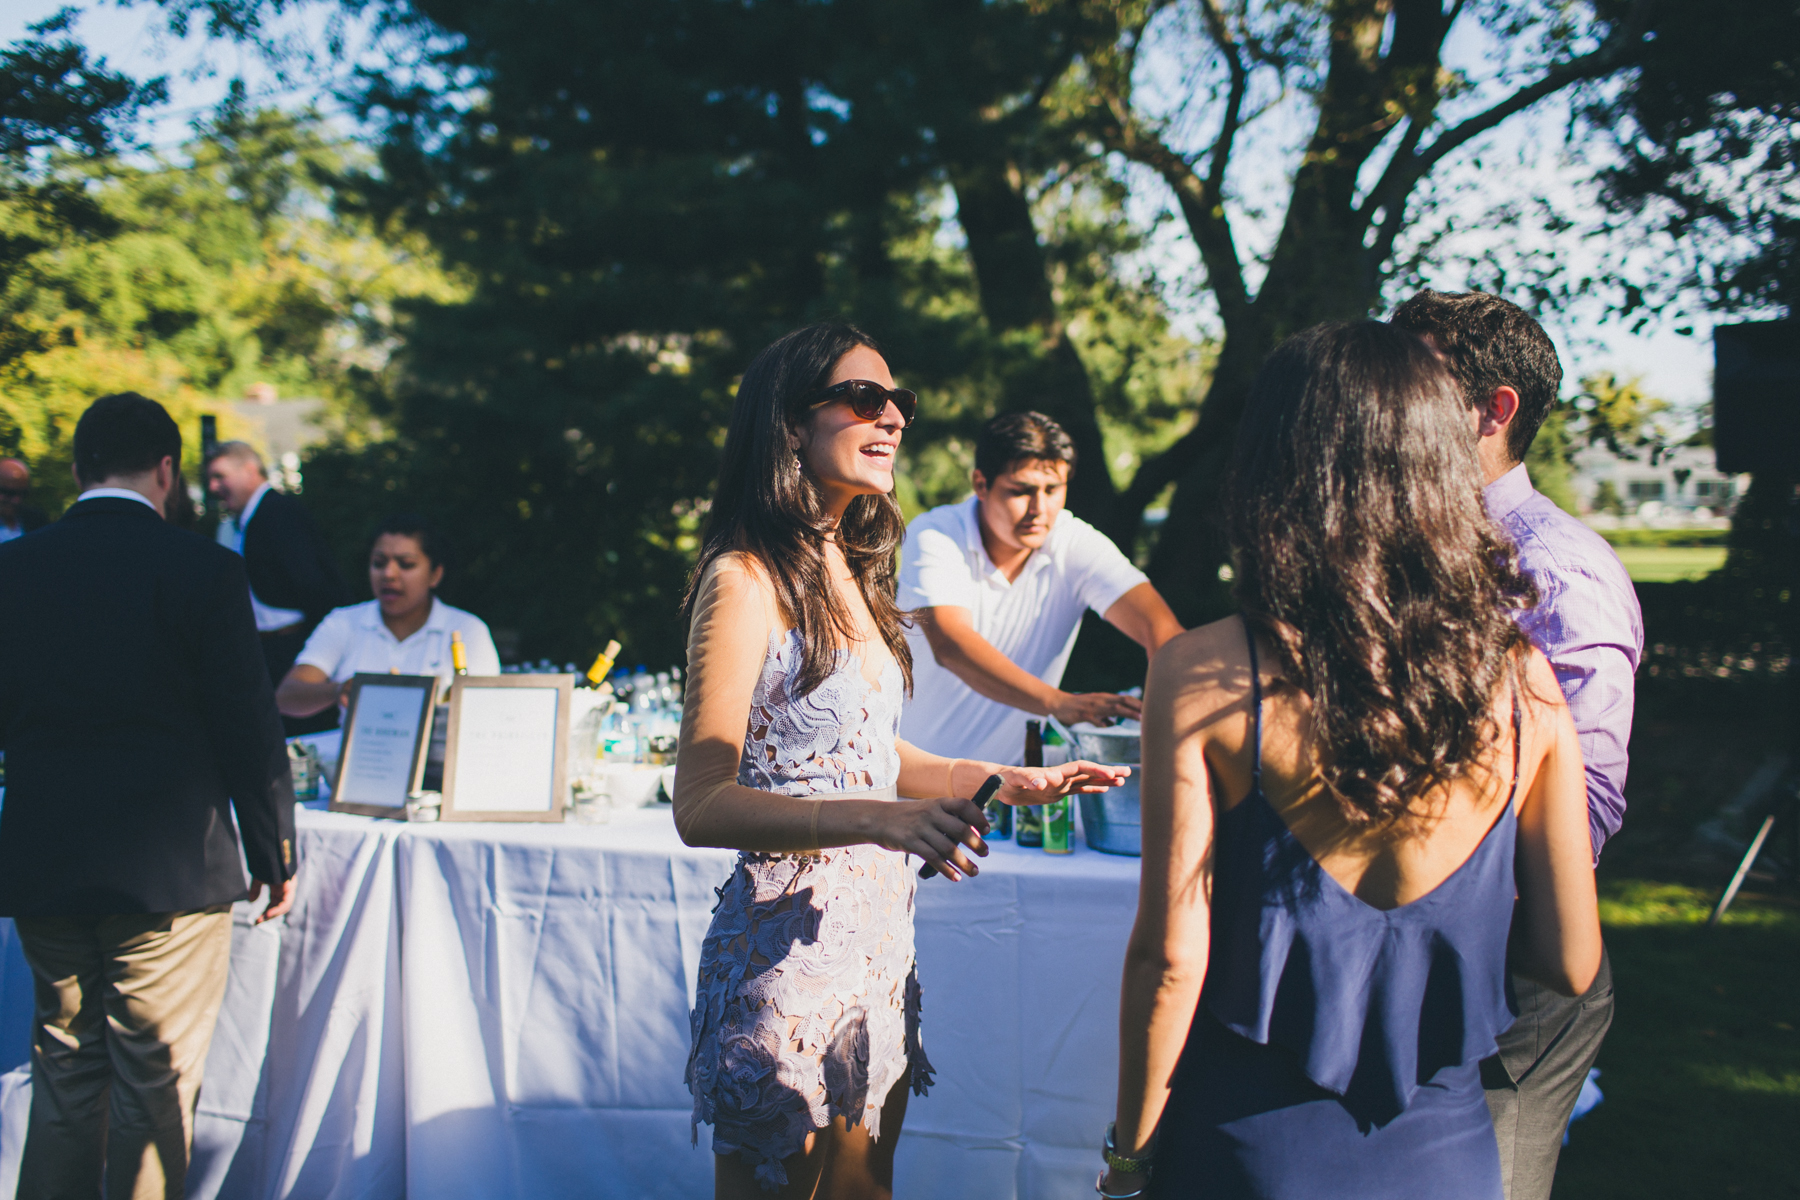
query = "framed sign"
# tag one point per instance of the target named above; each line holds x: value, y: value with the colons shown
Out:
x: 509, y: 738
x: 387, y: 729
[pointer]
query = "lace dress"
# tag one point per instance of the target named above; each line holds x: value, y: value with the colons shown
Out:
x: 808, y: 1003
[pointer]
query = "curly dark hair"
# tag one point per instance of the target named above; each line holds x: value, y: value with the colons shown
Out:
x: 1364, y: 552
x: 1491, y: 343
x: 767, y: 506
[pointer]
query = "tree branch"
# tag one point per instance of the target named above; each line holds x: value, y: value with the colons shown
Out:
x: 1409, y: 164
x: 1201, y: 199
x: 1220, y: 155
x: 1615, y: 52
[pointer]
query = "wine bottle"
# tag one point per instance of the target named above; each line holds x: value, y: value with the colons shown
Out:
x: 459, y: 653
x: 1028, y: 821
x: 603, y: 665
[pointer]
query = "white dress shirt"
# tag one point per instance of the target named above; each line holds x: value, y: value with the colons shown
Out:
x: 354, y: 638
x: 118, y: 494
x: 1033, y: 620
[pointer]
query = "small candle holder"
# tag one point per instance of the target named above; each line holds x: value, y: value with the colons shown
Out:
x: 424, y: 806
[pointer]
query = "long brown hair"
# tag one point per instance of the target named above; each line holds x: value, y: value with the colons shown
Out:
x: 1365, y: 554
x: 767, y: 505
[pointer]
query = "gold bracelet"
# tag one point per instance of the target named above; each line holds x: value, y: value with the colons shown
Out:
x: 950, y: 778
x: 817, y: 805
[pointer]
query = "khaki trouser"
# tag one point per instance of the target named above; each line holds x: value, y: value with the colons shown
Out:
x: 125, y: 1013
x: 1532, y: 1084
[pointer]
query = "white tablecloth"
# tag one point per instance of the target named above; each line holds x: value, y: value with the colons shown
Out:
x: 490, y: 1011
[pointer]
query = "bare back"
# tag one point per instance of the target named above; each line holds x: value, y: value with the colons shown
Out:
x: 1385, y: 867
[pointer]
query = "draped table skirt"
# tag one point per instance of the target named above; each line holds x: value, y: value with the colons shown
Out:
x: 487, y: 1011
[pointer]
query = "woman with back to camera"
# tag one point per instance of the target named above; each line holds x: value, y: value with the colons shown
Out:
x: 1343, y: 789
x: 404, y: 629
x: 806, y: 1016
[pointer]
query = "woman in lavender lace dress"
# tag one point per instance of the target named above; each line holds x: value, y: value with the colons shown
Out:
x: 806, y: 1021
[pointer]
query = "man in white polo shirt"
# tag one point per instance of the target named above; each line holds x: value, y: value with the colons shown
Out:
x: 1000, y: 583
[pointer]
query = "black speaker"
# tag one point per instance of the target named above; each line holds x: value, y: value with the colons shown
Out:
x: 1756, y: 397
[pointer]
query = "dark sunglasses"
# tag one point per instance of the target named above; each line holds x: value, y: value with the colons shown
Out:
x: 869, y: 400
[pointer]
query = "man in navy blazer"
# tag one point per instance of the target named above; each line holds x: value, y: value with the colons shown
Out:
x: 136, y: 716
x: 293, y: 580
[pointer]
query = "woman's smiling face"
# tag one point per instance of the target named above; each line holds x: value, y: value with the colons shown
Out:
x: 849, y: 456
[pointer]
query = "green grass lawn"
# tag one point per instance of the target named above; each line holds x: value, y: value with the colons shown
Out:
x: 1670, y: 564
x: 1701, y: 1069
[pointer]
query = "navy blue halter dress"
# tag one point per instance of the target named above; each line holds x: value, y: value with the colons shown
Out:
x: 1336, y: 1048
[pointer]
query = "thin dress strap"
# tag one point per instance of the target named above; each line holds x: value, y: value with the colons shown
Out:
x: 1256, y: 710
x: 1518, y: 724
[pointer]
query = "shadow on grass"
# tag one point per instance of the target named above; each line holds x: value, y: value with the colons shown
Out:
x: 1702, y: 1067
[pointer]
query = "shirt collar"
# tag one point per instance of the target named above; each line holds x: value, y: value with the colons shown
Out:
x: 119, y: 494
x: 1508, y: 493
x: 250, y: 508
x: 438, y: 620
x: 1038, y: 561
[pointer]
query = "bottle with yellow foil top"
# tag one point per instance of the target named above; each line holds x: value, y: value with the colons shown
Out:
x: 459, y: 654
x: 603, y: 665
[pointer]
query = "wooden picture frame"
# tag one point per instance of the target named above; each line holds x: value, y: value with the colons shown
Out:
x: 506, y: 758
x: 387, y: 732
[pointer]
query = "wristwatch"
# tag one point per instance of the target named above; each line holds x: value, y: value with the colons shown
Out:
x: 1118, y: 1162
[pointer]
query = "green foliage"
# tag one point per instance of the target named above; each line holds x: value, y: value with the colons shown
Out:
x: 1707, y: 134
x: 1608, y: 500
x: 1711, y: 538
x: 1550, y: 460
x: 1620, y: 414
x: 53, y: 96
x: 638, y: 221
x: 189, y: 279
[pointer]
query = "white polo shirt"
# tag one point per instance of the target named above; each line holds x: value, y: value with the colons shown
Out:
x: 353, y: 639
x: 1032, y: 620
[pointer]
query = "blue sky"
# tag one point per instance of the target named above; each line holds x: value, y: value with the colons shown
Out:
x: 1514, y: 161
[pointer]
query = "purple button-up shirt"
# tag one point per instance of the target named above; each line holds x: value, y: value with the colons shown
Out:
x: 1588, y: 624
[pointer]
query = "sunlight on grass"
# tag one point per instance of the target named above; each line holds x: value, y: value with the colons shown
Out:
x: 1701, y: 1068
x: 1747, y: 1080
x: 1635, y: 903
x: 1670, y: 564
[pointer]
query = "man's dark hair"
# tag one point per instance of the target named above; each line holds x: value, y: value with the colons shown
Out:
x: 429, y: 536
x: 1021, y: 437
x: 1490, y: 343
x: 124, y: 434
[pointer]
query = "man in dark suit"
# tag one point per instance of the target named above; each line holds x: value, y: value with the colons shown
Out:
x: 293, y: 582
x: 17, y: 518
x: 135, y: 715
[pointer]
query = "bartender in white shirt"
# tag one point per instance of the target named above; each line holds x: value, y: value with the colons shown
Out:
x: 405, y: 630
x: 999, y: 583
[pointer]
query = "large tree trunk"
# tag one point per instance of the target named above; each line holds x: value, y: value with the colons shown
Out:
x: 1321, y: 270
x: 1044, y: 370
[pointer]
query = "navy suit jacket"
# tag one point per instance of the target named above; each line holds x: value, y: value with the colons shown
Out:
x: 135, y: 714
x: 288, y: 562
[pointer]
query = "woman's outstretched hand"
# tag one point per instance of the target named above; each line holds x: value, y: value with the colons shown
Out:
x: 1040, y: 785
x: 939, y: 831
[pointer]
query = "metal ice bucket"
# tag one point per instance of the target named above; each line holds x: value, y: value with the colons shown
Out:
x: 1111, y: 821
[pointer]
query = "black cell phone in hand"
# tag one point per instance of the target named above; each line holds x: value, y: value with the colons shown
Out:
x: 983, y: 794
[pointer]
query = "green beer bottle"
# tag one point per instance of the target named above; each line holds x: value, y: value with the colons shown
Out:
x: 1059, y: 817
x: 1028, y: 822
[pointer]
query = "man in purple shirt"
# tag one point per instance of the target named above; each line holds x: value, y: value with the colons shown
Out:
x: 1587, y: 623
